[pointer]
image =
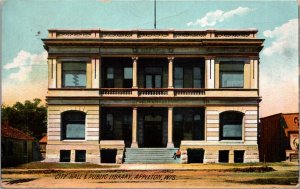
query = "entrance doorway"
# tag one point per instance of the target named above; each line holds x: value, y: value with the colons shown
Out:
x: 153, y: 136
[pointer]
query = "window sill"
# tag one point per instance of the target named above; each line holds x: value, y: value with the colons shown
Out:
x: 236, y: 141
x: 83, y: 140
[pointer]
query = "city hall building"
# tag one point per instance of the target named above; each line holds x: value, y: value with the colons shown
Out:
x: 137, y: 96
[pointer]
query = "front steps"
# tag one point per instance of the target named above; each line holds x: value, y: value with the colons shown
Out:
x: 150, y: 156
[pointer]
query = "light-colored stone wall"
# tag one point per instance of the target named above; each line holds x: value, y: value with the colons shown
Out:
x: 91, y: 142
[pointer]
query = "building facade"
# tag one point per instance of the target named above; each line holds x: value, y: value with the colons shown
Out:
x: 279, y: 137
x: 131, y: 90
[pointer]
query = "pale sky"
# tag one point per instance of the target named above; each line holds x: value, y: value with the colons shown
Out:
x: 25, y: 23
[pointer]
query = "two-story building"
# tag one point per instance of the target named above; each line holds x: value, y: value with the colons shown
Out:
x: 136, y: 96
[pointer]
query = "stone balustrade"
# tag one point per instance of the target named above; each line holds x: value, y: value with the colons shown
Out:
x: 149, y: 34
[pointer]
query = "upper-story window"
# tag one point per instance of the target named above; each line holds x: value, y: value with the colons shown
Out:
x: 178, y: 77
x: 197, y: 77
x: 231, y: 125
x: 110, y: 77
x: 73, y: 125
x: 231, y: 74
x: 74, y: 74
x: 127, y: 77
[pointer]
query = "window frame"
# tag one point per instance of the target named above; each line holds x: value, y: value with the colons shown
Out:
x: 65, y: 122
x: 200, y: 79
x: 222, y: 123
x: 63, y: 72
x: 240, y: 72
x: 178, y: 79
x: 125, y: 80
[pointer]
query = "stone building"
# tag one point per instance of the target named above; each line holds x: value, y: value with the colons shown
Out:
x: 136, y: 96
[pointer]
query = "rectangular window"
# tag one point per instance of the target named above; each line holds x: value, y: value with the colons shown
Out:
x: 110, y: 76
x: 80, y: 155
x: 197, y: 77
x: 75, y: 131
x: 178, y: 77
x: 127, y: 77
x: 65, y: 156
x: 232, y: 74
x: 232, y: 131
x: 74, y: 74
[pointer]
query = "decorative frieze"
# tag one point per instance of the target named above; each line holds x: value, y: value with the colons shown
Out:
x: 75, y: 35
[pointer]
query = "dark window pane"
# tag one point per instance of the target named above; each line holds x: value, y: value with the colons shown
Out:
x: 127, y: 73
x: 73, y: 125
x: 157, y: 81
x: 74, y: 74
x: 232, y: 74
x: 110, y: 73
x: 65, y: 155
x: 178, y: 83
x: 197, y: 72
x: 197, y: 83
x: 178, y: 73
x: 232, y: 79
x: 148, y: 81
x: 231, y: 125
x: 80, y: 155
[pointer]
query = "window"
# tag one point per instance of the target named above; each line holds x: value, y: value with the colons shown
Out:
x: 231, y: 74
x: 127, y: 77
x: 107, y: 131
x: 65, y: 155
x: 178, y: 129
x: 239, y: 156
x: 80, y: 155
x: 178, y: 77
x: 110, y: 76
x: 231, y: 125
x: 74, y: 74
x: 153, y: 77
x: 223, y: 156
x: 73, y: 125
x: 197, y: 77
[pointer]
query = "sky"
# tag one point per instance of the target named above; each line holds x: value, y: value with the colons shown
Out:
x: 25, y: 23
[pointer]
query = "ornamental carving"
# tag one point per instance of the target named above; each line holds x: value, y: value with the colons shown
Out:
x: 190, y: 35
x: 153, y: 35
x: 74, y: 35
x: 233, y: 36
x: 116, y: 35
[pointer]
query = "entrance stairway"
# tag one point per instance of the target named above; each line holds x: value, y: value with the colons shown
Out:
x: 150, y: 155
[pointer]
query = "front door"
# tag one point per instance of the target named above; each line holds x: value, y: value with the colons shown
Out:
x: 153, y: 131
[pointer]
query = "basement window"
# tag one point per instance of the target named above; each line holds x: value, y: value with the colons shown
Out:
x: 223, y: 156
x: 239, y: 156
x: 108, y: 155
x: 195, y: 155
x: 65, y: 155
x: 80, y: 155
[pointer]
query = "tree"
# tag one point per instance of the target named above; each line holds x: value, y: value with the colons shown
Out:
x: 29, y: 117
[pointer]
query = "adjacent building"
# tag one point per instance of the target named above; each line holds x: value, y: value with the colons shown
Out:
x: 279, y: 137
x: 121, y: 94
x: 16, y: 146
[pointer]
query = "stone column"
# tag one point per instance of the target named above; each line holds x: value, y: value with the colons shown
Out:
x: 134, y: 76
x: 170, y: 76
x: 134, y: 127
x: 170, y: 128
x: 210, y: 73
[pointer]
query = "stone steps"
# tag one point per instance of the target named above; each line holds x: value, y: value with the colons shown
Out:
x: 150, y: 155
